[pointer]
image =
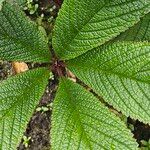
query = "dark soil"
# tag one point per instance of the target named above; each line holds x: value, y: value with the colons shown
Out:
x: 141, y: 131
x: 39, y: 126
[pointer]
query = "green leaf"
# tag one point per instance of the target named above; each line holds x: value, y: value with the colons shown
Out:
x: 21, y: 3
x: 120, y: 73
x: 86, y: 24
x: 80, y: 121
x: 19, y: 96
x: 139, y: 32
x: 20, y: 39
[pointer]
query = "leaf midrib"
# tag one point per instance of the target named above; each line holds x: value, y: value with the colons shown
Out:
x: 24, y: 43
x: 16, y: 102
x: 7, y: 36
x: 75, y: 35
x: 76, y: 112
x: 121, y: 76
x: 78, y: 116
x: 109, y: 72
x: 80, y: 29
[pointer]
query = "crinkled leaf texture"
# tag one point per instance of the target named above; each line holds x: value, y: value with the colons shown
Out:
x: 20, y: 39
x: 86, y: 24
x: 21, y: 3
x: 139, y: 32
x: 80, y: 121
x: 119, y: 72
x: 19, y: 96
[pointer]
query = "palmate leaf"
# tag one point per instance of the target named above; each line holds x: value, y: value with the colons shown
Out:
x: 86, y: 24
x: 139, y: 32
x: 19, y: 96
x: 20, y: 39
x: 121, y: 74
x: 80, y: 121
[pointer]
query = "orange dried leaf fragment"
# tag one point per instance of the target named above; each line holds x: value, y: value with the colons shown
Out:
x: 19, y: 67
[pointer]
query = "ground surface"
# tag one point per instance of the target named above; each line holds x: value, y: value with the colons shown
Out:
x: 38, y: 129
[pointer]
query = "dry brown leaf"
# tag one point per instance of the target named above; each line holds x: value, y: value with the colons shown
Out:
x: 19, y: 67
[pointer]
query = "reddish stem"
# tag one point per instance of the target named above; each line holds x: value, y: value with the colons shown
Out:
x: 58, y: 2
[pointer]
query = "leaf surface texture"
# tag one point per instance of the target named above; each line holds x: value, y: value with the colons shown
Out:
x: 19, y: 96
x: 86, y: 24
x: 139, y: 32
x: 20, y: 39
x: 21, y: 3
x: 80, y: 121
x: 120, y: 73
